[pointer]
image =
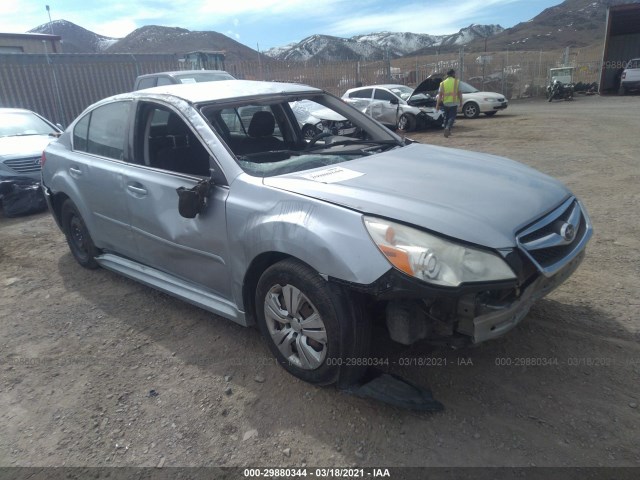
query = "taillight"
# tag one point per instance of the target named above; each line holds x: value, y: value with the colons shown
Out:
x: 43, y: 159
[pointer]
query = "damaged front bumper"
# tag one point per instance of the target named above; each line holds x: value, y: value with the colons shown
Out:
x: 469, y: 314
x: 497, y: 319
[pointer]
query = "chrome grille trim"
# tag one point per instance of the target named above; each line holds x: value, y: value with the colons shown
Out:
x: 24, y: 165
x: 548, y: 242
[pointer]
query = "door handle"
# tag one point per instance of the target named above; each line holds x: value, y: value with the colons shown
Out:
x: 138, y: 190
x: 75, y: 172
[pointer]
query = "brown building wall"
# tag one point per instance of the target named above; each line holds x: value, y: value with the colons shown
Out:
x: 29, y: 43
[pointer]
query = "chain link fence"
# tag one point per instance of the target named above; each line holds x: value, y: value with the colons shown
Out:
x: 60, y: 86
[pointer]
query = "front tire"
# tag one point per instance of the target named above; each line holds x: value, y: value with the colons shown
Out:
x: 78, y: 238
x: 309, y: 324
x: 309, y: 131
x: 406, y: 122
x: 471, y: 110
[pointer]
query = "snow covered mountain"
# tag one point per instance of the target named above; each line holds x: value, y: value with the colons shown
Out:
x: 75, y: 39
x: 376, y: 45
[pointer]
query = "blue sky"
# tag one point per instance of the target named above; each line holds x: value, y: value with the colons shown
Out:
x: 271, y: 23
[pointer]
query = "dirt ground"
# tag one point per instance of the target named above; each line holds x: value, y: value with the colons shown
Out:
x: 97, y: 370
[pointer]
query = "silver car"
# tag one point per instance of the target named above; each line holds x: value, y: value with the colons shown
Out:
x: 178, y: 188
x: 23, y: 136
x: 398, y: 106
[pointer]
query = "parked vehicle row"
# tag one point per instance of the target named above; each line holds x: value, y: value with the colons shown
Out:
x: 219, y: 197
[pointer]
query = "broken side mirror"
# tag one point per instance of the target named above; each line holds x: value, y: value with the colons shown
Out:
x: 394, y: 101
x: 192, y: 201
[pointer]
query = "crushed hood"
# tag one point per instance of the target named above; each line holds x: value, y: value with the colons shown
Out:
x: 474, y: 197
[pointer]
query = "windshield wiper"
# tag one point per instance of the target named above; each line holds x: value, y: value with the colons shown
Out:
x: 355, y: 142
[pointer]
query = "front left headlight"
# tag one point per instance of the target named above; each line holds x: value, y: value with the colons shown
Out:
x: 490, y: 99
x: 434, y: 259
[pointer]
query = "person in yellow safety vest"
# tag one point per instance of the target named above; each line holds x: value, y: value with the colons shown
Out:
x: 450, y: 97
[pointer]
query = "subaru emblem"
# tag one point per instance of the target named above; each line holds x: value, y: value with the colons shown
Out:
x: 568, y: 232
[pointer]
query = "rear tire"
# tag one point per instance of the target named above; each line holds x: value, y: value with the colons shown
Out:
x: 310, y: 325
x: 78, y: 238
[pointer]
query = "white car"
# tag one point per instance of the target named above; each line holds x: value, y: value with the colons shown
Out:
x: 315, y: 119
x: 630, y: 79
x: 397, y: 106
x: 476, y: 102
x: 23, y: 136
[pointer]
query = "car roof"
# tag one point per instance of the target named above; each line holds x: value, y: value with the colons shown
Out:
x: 223, y: 90
x: 15, y: 110
x: 182, y: 72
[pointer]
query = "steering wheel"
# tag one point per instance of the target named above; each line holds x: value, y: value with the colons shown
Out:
x: 320, y: 136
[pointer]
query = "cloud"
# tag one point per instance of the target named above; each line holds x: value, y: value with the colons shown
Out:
x: 434, y: 18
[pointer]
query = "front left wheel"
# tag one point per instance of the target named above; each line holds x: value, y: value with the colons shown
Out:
x: 310, y: 325
x: 406, y: 122
x: 471, y: 110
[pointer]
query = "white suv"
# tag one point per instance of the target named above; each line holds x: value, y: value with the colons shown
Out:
x: 630, y: 79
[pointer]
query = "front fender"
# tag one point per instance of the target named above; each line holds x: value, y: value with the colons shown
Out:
x: 329, y: 238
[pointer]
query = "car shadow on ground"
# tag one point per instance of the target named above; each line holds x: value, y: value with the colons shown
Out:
x: 517, y: 378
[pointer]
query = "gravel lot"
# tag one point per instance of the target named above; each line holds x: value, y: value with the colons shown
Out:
x: 100, y: 371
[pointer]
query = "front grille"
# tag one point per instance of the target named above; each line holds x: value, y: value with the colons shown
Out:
x: 24, y: 165
x: 551, y: 242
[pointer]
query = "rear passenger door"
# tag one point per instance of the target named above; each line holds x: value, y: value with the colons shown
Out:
x: 95, y: 169
x: 167, y: 154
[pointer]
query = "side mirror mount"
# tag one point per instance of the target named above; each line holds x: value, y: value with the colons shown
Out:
x: 394, y: 101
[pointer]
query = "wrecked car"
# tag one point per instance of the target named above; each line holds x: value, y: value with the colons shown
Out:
x: 315, y: 119
x: 23, y: 136
x: 398, y: 106
x: 311, y: 240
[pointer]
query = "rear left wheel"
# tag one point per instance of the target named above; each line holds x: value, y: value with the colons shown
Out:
x: 309, y: 324
x: 78, y: 238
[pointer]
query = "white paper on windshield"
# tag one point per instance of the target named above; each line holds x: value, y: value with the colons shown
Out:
x: 188, y: 80
x: 333, y: 175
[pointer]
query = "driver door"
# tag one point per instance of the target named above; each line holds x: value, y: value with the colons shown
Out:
x: 385, y: 111
x: 168, y: 155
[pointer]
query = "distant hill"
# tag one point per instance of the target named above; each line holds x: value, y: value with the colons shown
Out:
x: 375, y: 46
x: 147, y: 39
x: 572, y: 23
x: 75, y: 39
x: 157, y: 39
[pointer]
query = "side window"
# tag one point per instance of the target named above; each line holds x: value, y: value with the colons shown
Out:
x: 364, y: 93
x: 147, y: 83
x: 164, y: 81
x: 80, y: 133
x: 384, y: 95
x: 164, y: 140
x: 108, y: 130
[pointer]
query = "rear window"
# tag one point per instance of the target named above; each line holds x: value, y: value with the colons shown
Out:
x: 147, y: 83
